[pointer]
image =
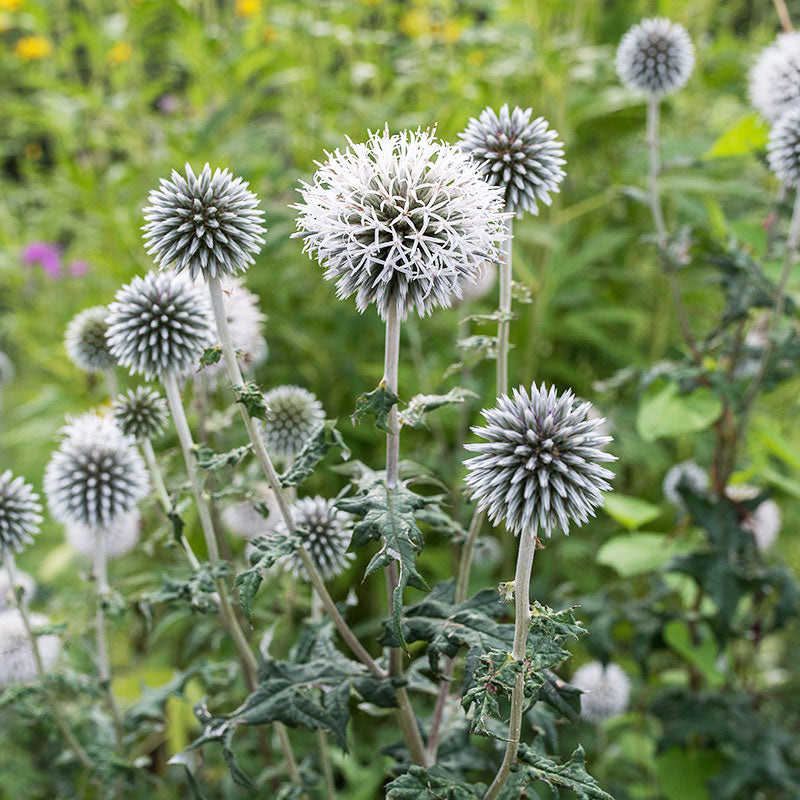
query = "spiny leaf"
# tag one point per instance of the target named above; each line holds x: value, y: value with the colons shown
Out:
x: 314, y: 450
x: 413, y: 416
x: 211, y: 355
x: 199, y: 589
x: 150, y: 706
x: 424, y: 783
x: 249, y: 395
x: 378, y: 403
x: 572, y: 775
x: 264, y: 552
x: 494, y: 677
x: 208, y: 459
x: 474, y: 349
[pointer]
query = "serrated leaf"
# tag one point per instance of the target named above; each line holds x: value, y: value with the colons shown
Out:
x: 413, y: 416
x: 250, y: 396
x: 494, y: 678
x: 199, y: 589
x: 209, y: 460
x: 211, y: 355
x: 264, y: 552
x: 572, y: 775
x: 377, y: 403
x: 317, y: 446
x: 150, y: 706
x: 424, y: 783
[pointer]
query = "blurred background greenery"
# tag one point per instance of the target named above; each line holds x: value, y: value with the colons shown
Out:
x: 100, y: 98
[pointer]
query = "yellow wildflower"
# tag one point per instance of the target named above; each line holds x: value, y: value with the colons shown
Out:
x: 32, y: 48
x: 119, y: 53
x: 247, y: 8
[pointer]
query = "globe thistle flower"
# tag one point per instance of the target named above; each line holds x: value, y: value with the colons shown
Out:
x: 242, y: 518
x: 86, y: 340
x: 159, y: 324
x: 783, y: 148
x: 207, y: 224
x: 472, y: 291
x: 775, y: 77
x: 523, y: 157
x: 119, y: 538
x: 293, y: 413
x: 764, y: 521
x: 17, y: 661
x: 606, y: 690
x: 6, y: 369
x: 539, y: 468
x: 142, y: 413
x: 488, y: 552
x: 20, y: 513
x: 326, y: 534
x: 400, y: 220
x: 688, y: 474
x: 96, y: 477
x: 22, y: 582
x: 656, y: 56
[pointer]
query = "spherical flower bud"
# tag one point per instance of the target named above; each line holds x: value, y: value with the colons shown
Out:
x: 242, y: 518
x: 656, y: 56
x: 207, y: 224
x: 783, y: 148
x: 688, y: 474
x: 606, y: 690
x: 400, y: 220
x: 764, y: 521
x: 325, y: 532
x: 20, y: 513
x: 293, y: 414
x: 539, y: 466
x: 86, y: 340
x: 142, y: 413
x: 17, y: 661
x: 97, y: 476
x: 159, y: 324
x: 119, y: 538
x: 6, y: 369
x: 24, y: 587
x: 775, y: 77
x: 523, y: 157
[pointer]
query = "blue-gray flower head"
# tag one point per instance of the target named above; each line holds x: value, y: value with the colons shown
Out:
x: 775, y: 77
x: 400, y: 220
x: 86, y: 342
x: 326, y: 534
x: 656, y: 56
x: 606, y: 690
x: 20, y: 513
x: 96, y: 476
x: 141, y: 413
x: 293, y: 414
x: 521, y: 156
x: 539, y: 466
x: 7, y: 371
x: 119, y: 539
x: 207, y: 224
x: 159, y: 324
x: 783, y: 148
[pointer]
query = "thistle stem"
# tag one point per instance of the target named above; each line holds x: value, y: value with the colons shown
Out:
x: 522, y: 619
x: 322, y: 737
x: 111, y: 383
x: 257, y: 440
x: 504, y: 323
x: 62, y: 724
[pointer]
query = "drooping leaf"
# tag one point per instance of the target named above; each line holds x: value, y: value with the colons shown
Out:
x: 424, y: 783
x: 264, y: 552
x: 377, y: 403
x: 182, y: 760
x: 325, y: 437
x: 571, y: 776
x: 209, y: 460
x: 250, y: 396
x: 413, y: 416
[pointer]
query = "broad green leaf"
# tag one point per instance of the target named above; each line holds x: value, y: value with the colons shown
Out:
x: 684, y: 774
x: 747, y: 135
x: 325, y: 437
x: 264, y: 552
x: 629, y: 511
x: 425, y: 783
x: 637, y: 553
x: 413, y: 416
x: 663, y: 412
x: 572, y: 775
x: 698, y: 648
x: 377, y: 403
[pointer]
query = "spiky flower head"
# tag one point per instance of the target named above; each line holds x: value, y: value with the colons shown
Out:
x: 141, y: 413
x: 96, y: 476
x: 243, y: 519
x: 119, y: 538
x: 86, y: 340
x: 24, y: 587
x: 325, y: 531
x: 400, y: 220
x: 6, y: 369
x: 606, y: 690
x: 763, y: 521
x: 159, y: 324
x: 688, y: 474
x: 20, y: 513
x: 775, y: 77
x: 655, y: 56
x: 293, y: 414
x: 521, y: 156
x: 17, y: 661
x: 208, y: 224
x: 539, y: 466
x: 783, y: 148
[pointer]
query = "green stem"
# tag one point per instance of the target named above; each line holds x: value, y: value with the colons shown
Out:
x: 322, y: 737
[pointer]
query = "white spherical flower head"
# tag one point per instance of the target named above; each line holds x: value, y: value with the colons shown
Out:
x: 7, y: 370
x: 293, y: 414
x: 97, y: 476
x: 687, y: 473
x: 656, y: 56
x: 539, y: 466
x: 783, y: 148
x: 242, y: 518
x: 606, y: 690
x: 764, y: 521
x: 208, y: 224
x: 141, y: 413
x: 159, y: 324
x: 119, y: 538
x: 775, y: 77
x: 86, y: 342
x: 488, y: 552
x: 326, y: 534
x: 17, y: 661
x: 521, y: 156
x: 20, y: 513
x: 400, y: 220
x: 23, y: 583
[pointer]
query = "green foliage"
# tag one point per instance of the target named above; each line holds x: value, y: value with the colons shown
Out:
x: 250, y: 396
x: 198, y: 590
x: 421, y: 783
x: 413, y: 415
x: 572, y: 775
x: 317, y: 446
x: 377, y: 403
x: 209, y: 460
x: 265, y: 552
